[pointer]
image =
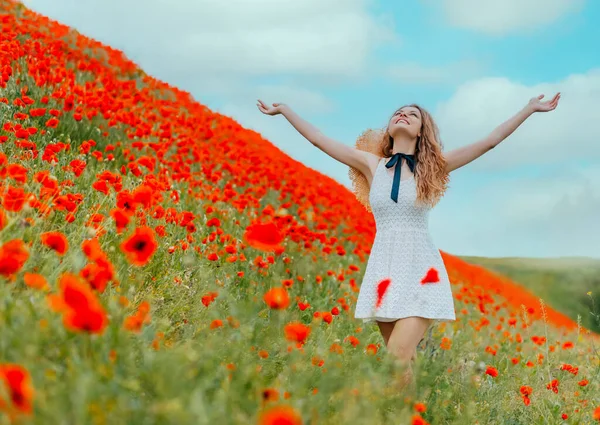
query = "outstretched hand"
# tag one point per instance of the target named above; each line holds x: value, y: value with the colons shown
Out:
x: 536, y: 104
x: 265, y: 109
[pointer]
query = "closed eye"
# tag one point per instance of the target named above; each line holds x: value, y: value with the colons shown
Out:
x: 413, y: 113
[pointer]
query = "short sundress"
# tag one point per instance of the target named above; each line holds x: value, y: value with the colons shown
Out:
x: 402, y: 251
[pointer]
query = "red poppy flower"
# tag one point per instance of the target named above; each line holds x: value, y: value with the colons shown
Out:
x: 77, y: 302
x: 280, y: 415
x: 277, y: 298
x: 18, y: 385
x: 13, y: 255
x: 296, y: 332
x: 135, y: 321
x: 140, y: 247
x: 263, y: 236
x: 56, y: 241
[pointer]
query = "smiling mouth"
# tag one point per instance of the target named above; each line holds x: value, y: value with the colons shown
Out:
x: 403, y: 120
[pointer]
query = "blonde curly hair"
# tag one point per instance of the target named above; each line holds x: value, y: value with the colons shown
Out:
x: 430, y: 175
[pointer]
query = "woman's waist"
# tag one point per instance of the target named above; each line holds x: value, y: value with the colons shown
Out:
x: 403, y: 222
x: 399, y: 228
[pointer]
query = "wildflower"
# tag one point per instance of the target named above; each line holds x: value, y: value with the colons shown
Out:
x: 280, y: 415
x: 56, y: 241
x: 526, y: 392
x: 140, y: 247
x: 420, y: 407
x: 135, y: 321
x: 263, y: 236
x: 80, y: 308
x: 492, y: 371
x: 277, y: 298
x: 553, y: 385
x: 18, y: 387
x: 13, y: 255
x: 36, y: 281
x: 296, y: 332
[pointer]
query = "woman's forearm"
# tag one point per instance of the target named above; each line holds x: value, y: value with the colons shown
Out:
x: 309, y: 131
x: 509, y: 126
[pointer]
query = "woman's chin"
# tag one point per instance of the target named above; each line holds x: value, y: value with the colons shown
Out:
x: 401, y: 130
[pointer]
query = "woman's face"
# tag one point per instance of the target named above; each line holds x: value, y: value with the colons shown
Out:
x: 406, y: 120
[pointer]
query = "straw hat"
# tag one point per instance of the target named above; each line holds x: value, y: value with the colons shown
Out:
x: 371, y: 140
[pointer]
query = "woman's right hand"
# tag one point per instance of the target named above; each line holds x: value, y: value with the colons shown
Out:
x: 270, y: 110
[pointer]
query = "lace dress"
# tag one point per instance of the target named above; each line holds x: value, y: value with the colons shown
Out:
x: 404, y: 253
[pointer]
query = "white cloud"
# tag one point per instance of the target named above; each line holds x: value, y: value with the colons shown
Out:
x: 557, y: 215
x: 570, y: 132
x: 546, y: 216
x: 494, y: 17
x: 191, y: 39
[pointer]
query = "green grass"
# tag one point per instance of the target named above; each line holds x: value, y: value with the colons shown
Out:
x: 562, y: 282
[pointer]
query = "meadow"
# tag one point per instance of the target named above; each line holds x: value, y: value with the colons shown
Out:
x: 563, y: 283
x: 160, y: 264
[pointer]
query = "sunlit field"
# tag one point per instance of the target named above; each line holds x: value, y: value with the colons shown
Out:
x: 563, y: 283
x: 160, y: 264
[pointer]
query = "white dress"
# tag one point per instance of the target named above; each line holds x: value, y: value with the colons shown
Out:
x: 403, y: 251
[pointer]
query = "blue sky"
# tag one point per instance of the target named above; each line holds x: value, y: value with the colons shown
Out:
x: 346, y: 65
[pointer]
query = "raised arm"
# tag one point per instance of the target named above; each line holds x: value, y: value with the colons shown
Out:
x: 462, y: 156
x: 345, y: 154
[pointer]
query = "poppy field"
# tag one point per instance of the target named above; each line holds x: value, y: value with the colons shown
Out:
x: 160, y: 264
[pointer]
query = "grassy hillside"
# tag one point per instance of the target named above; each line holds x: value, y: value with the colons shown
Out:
x: 160, y: 264
x: 564, y: 283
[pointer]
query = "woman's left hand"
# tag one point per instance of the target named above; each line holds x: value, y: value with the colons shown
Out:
x: 537, y: 105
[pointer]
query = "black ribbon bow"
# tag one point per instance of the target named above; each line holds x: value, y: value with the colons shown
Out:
x: 397, y: 161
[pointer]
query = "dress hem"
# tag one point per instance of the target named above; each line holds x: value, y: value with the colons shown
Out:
x: 392, y: 319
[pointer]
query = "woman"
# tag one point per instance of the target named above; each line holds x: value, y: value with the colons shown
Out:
x: 399, y: 173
